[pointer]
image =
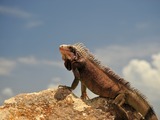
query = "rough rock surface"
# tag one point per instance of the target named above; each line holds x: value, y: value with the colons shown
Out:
x: 59, y: 104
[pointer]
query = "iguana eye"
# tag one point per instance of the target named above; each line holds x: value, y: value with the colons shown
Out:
x: 72, y: 50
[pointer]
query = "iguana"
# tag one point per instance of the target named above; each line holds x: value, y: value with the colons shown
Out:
x: 102, y: 80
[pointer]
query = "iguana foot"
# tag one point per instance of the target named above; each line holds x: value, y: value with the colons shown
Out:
x: 121, y: 114
x: 84, y: 96
x: 119, y: 100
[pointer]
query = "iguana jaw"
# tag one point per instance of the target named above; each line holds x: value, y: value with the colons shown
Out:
x: 66, y: 53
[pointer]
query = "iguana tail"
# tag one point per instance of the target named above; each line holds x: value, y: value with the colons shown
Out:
x: 139, y: 103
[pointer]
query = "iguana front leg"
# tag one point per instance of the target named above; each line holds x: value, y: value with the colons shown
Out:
x: 75, y: 81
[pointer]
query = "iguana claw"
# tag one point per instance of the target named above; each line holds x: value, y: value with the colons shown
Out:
x: 64, y: 86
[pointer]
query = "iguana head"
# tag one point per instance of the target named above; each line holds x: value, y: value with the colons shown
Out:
x: 67, y: 52
x: 72, y: 53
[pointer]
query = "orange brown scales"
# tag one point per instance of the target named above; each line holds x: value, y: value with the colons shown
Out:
x: 102, y: 80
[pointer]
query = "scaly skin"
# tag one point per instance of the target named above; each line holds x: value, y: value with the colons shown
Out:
x: 101, y: 80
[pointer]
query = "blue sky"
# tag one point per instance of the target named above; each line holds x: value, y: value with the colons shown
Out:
x: 124, y: 35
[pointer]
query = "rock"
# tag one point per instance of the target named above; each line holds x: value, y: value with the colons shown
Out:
x: 57, y: 104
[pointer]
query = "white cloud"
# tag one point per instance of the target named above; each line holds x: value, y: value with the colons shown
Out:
x: 15, y: 12
x: 28, y: 60
x: 143, y: 75
x: 156, y: 61
x: 31, y: 60
x: 53, y: 63
x: 119, y: 55
x: 34, y: 24
x: 7, y: 92
x: 142, y: 71
x: 111, y: 54
x: 21, y: 14
x: 6, y: 66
